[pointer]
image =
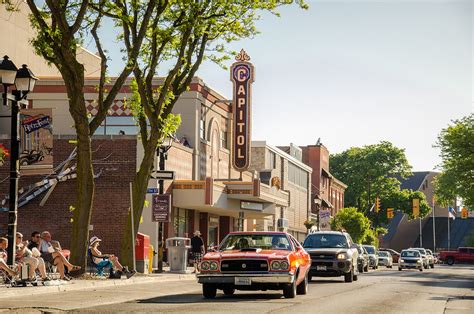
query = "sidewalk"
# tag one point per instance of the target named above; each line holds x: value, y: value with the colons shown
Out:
x: 90, y: 284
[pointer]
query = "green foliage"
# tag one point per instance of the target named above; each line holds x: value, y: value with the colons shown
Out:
x: 371, y: 239
x: 402, y: 200
x: 457, y: 152
x: 369, y: 172
x: 353, y: 221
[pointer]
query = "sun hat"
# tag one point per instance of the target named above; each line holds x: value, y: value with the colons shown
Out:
x: 93, y: 240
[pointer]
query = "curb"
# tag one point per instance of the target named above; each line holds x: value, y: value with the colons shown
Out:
x: 78, y: 285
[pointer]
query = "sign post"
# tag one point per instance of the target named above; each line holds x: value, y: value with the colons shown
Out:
x: 242, y: 75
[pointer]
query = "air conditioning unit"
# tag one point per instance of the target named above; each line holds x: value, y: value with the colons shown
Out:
x: 283, y: 223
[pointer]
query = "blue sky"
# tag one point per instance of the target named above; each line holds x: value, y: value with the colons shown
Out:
x: 358, y: 72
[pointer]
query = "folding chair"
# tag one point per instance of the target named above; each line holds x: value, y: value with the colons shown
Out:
x: 93, y: 266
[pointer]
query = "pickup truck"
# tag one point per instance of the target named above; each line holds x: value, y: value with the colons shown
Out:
x: 462, y: 255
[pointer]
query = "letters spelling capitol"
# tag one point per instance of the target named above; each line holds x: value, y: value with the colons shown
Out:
x: 242, y: 75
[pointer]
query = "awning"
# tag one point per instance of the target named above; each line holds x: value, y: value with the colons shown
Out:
x: 327, y: 204
x: 326, y: 173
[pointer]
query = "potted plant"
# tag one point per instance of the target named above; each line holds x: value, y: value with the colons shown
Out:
x: 3, y: 154
x: 308, y: 224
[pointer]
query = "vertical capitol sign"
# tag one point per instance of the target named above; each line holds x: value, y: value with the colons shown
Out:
x: 242, y: 75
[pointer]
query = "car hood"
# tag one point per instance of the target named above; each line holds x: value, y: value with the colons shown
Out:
x: 326, y: 250
x: 234, y: 254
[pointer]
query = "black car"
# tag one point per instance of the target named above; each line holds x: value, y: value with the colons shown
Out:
x: 363, y: 259
x: 333, y: 254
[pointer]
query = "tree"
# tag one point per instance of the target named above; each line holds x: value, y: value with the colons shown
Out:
x: 185, y: 34
x: 353, y: 221
x: 370, y: 171
x: 457, y: 154
x: 60, y: 28
x: 402, y: 200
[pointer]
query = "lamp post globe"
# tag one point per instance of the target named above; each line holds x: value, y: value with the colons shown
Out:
x: 25, y: 79
x: 8, y: 72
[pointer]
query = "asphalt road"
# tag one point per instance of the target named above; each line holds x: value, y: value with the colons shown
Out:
x: 444, y: 289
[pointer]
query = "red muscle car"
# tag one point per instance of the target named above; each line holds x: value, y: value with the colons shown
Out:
x: 256, y: 261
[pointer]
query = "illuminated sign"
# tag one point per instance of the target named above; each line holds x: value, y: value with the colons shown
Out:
x: 242, y: 75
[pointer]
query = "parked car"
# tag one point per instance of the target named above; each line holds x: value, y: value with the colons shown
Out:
x: 431, y: 257
x: 462, y: 255
x: 424, y: 255
x: 333, y: 254
x: 385, y: 259
x: 410, y: 259
x: 373, y: 258
x: 363, y: 259
x: 395, y: 254
x: 256, y: 261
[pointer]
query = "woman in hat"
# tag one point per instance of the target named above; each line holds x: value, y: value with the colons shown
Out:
x: 197, y: 249
x: 107, y: 260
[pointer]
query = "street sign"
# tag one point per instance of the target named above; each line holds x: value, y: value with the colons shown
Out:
x: 152, y: 191
x: 161, y: 208
x: 163, y: 175
x: 416, y: 207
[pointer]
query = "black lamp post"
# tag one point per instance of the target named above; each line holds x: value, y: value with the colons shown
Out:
x: 24, y: 81
x: 162, y: 157
x: 318, y: 202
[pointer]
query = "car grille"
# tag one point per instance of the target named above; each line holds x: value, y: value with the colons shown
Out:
x: 316, y: 256
x: 244, y: 265
x: 410, y: 261
x: 328, y: 264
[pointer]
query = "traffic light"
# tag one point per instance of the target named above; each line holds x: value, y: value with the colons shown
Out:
x: 389, y: 213
x: 416, y: 207
x: 377, y: 205
x: 464, y: 213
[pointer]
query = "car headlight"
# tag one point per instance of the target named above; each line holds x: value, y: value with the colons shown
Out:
x: 205, y: 265
x: 401, y: 261
x: 418, y: 261
x: 342, y: 256
x: 280, y: 265
x: 214, y: 266
x: 209, y: 266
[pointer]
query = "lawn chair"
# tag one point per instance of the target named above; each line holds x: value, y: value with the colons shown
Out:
x: 95, y: 267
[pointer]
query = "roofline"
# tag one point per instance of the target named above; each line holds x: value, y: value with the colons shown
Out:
x: 282, y: 154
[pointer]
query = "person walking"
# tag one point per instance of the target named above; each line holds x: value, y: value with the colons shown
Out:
x: 197, y: 249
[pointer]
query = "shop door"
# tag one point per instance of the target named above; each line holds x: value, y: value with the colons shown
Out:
x: 213, y: 231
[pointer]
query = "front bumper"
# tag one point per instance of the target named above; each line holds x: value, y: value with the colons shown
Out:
x: 410, y: 265
x: 270, y: 278
x: 333, y: 268
x: 383, y: 262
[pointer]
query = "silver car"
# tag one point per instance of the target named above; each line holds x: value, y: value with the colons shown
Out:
x: 410, y: 259
x: 424, y: 255
x: 373, y: 257
x: 385, y: 259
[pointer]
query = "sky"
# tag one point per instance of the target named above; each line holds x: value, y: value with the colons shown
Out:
x: 356, y: 72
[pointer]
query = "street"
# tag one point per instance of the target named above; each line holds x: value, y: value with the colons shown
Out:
x: 441, y: 290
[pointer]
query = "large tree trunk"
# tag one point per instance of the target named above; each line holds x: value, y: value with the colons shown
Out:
x: 73, y: 77
x: 139, y: 188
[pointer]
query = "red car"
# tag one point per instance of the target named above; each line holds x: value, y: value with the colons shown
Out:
x: 462, y: 255
x: 256, y: 261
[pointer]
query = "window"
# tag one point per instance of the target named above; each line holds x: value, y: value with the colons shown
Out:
x: 115, y: 125
x: 180, y: 221
x: 202, y: 123
x: 224, y: 139
x: 270, y: 159
x: 297, y: 175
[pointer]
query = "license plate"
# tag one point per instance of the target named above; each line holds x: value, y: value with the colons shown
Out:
x: 243, y: 281
x: 321, y: 268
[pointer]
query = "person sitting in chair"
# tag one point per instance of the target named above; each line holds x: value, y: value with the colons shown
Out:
x: 54, y: 256
x: 3, y: 258
x: 107, y: 260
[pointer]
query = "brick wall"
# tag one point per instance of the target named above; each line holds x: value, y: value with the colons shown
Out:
x: 117, y: 158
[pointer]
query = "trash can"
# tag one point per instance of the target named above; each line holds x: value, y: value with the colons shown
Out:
x: 142, y: 248
x: 178, y: 254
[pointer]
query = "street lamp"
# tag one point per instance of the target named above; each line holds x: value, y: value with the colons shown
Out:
x: 162, y: 151
x: 318, y: 202
x: 24, y: 81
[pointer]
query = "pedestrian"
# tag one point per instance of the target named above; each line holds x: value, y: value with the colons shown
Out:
x: 197, y: 249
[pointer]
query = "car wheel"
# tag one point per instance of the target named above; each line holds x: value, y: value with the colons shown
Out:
x: 310, y: 278
x: 303, y: 286
x: 209, y: 291
x: 355, y: 277
x: 450, y: 260
x: 361, y: 269
x: 366, y: 268
x: 432, y: 266
x: 399, y: 269
x: 349, y: 277
x: 421, y: 268
x: 228, y: 291
x: 289, y: 292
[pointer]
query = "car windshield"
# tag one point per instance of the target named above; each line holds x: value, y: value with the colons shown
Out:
x: 256, y: 241
x: 325, y: 240
x: 370, y: 249
x: 384, y: 254
x: 422, y: 251
x: 410, y: 254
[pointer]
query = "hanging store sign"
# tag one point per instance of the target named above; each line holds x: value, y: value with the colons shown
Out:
x: 161, y: 208
x: 36, y: 138
x: 242, y: 75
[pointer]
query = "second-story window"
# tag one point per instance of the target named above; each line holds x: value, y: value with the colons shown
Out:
x: 270, y: 160
x: 202, y: 123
